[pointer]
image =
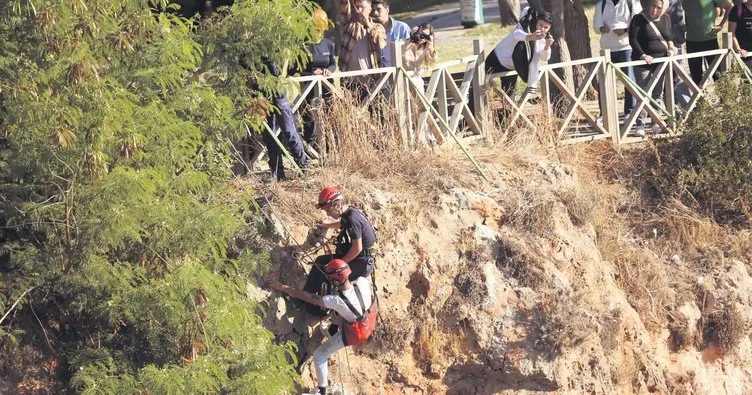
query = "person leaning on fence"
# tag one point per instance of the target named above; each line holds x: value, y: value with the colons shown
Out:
x: 740, y: 26
x: 322, y: 62
x: 611, y: 21
x: 355, y: 244
x: 395, y: 30
x: 650, y: 38
x: 702, y: 32
x: 522, y: 50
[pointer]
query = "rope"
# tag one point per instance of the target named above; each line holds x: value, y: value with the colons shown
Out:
x: 347, y: 355
x: 281, y: 146
x: 435, y: 112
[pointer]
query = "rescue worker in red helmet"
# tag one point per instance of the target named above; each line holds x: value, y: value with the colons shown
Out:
x: 358, y: 297
x: 355, y: 244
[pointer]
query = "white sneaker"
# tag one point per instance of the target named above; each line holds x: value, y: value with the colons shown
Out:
x: 639, y: 131
x: 324, y: 328
x: 599, y: 121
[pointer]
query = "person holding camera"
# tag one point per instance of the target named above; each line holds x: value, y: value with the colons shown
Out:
x: 362, y: 38
x: 522, y: 50
x: 419, y: 53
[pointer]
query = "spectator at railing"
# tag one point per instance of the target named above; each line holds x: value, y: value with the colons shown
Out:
x: 650, y: 38
x: 322, y: 63
x: 362, y: 43
x: 675, y: 11
x: 611, y: 21
x: 395, y: 30
x: 702, y: 32
x: 420, y: 53
x: 522, y: 50
x: 281, y: 118
x: 740, y: 26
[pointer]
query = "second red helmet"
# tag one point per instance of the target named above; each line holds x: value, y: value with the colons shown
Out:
x: 337, y: 270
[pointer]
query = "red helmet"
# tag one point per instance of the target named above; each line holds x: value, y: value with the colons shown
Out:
x: 328, y: 196
x: 337, y: 270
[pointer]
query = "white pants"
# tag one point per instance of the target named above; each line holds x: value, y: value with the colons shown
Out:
x: 321, y: 357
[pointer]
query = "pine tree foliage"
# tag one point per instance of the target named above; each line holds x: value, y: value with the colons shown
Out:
x: 115, y: 123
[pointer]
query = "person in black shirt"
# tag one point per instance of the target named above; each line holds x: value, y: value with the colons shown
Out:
x: 650, y: 38
x: 740, y: 26
x: 355, y: 243
x: 322, y: 63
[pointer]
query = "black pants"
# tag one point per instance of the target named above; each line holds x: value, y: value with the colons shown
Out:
x: 696, y: 65
x: 508, y: 83
x: 288, y: 136
x: 361, y: 266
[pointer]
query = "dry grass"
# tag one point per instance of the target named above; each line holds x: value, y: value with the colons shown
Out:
x: 435, y: 346
x: 520, y: 263
x: 724, y: 327
x: 581, y: 201
x: 560, y: 322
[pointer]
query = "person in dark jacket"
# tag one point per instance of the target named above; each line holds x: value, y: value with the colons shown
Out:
x: 282, y: 121
x: 322, y: 63
x: 650, y: 38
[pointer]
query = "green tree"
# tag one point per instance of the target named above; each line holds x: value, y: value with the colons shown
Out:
x: 116, y: 119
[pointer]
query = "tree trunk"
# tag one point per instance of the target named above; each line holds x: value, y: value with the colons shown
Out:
x: 578, y: 37
x: 509, y: 10
x: 571, y: 40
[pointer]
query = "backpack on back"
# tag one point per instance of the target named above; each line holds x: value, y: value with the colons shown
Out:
x: 355, y: 333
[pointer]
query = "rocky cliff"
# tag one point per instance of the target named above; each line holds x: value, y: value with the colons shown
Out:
x: 551, y: 277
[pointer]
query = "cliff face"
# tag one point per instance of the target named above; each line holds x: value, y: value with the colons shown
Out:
x: 535, y: 281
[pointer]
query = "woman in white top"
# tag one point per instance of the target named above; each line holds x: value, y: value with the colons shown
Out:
x: 611, y: 21
x: 522, y: 50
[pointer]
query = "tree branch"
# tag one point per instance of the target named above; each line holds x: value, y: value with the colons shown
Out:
x: 15, y: 304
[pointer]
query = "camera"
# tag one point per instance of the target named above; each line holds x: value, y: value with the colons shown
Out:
x: 416, y: 37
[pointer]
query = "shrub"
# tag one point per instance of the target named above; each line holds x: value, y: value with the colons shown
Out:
x: 712, y: 161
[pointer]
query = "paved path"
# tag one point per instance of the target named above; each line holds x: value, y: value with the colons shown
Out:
x: 448, y: 19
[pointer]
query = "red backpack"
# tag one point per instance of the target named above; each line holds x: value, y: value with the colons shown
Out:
x: 355, y: 333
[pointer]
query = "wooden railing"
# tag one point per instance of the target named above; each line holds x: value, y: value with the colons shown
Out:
x: 444, y: 107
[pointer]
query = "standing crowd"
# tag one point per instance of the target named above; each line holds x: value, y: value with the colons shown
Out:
x: 633, y: 30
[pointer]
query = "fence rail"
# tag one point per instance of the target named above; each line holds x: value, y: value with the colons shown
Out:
x: 454, y: 106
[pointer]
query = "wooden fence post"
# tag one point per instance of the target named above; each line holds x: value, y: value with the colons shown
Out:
x: 727, y: 42
x: 400, y: 94
x: 479, y: 76
x: 607, y: 98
